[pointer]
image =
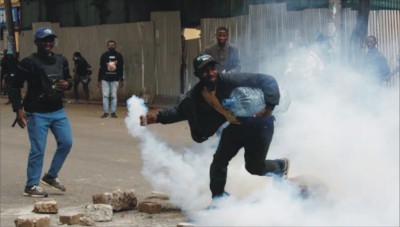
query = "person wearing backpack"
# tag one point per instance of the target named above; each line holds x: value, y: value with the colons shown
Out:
x: 82, y: 74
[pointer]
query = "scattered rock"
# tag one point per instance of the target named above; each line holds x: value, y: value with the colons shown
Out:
x: 86, y: 221
x: 184, y: 224
x: 149, y: 207
x: 119, y: 200
x: 33, y: 221
x: 70, y: 218
x: 46, y: 207
x: 99, y: 212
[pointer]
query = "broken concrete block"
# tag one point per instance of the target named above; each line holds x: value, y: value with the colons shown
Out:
x: 32, y: 221
x: 159, y: 195
x: 149, y: 207
x: 184, y: 224
x: 99, y: 212
x: 46, y: 207
x: 70, y: 218
x: 119, y: 200
x: 86, y: 221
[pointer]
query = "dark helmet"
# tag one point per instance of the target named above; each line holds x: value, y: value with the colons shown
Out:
x: 202, y: 60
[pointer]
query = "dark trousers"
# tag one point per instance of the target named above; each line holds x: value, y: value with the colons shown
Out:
x: 255, y: 136
x: 85, y: 88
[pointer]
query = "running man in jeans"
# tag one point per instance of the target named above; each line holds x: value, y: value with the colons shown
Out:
x: 47, y: 76
x: 110, y: 78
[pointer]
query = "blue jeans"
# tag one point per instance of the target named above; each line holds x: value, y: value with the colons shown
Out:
x: 38, y: 128
x: 109, y: 89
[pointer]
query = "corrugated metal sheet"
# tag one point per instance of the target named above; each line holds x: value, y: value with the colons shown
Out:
x: 384, y: 24
x: 168, y: 49
x: 153, y: 50
x: 270, y: 31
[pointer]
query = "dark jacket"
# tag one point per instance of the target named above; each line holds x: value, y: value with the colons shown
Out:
x: 202, y: 118
x: 9, y: 65
x: 227, y: 57
x: 375, y: 64
x: 105, y: 73
x: 39, y: 96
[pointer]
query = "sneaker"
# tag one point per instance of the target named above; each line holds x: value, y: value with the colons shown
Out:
x: 113, y: 115
x: 52, y: 182
x: 34, y: 191
x: 216, y: 200
x: 285, y: 169
x: 104, y: 115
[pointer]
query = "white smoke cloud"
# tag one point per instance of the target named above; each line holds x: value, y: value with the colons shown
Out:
x: 341, y: 133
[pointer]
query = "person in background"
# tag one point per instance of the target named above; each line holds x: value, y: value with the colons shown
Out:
x: 81, y: 75
x: 110, y: 78
x: 226, y: 54
x: 201, y: 107
x: 2, y: 84
x: 47, y: 76
x: 9, y: 66
x: 375, y: 64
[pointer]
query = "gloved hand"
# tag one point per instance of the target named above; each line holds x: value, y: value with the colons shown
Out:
x: 148, y: 119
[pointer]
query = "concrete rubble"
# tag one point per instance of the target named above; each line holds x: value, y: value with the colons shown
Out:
x: 102, y: 210
x: 46, y: 207
x: 71, y: 218
x: 99, y: 212
x: 119, y: 200
x: 34, y: 220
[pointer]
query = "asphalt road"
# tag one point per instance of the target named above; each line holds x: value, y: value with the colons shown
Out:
x: 104, y: 158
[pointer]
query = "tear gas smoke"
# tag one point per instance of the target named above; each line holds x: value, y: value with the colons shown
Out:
x: 341, y: 132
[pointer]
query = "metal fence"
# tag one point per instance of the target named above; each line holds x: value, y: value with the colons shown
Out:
x: 153, y: 49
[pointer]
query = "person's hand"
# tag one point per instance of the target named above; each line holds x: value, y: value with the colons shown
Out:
x: 148, y: 119
x: 263, y: 113
x: 99, y: 84
x: 121, y: 84
x: 61, y: 85
x: 21, y: 118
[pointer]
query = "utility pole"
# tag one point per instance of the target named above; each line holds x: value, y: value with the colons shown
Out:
x: 10, y: 25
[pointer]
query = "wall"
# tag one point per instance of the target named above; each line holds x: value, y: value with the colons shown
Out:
x: 153, y: 50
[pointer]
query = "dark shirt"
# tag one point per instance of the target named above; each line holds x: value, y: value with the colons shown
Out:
x: 105, y: 72
x: 227, y: 57
x: 81, y: 67
x: 35, y: 99
x: 375, y: 64
x: 205, y: 120
x: 9, y: 65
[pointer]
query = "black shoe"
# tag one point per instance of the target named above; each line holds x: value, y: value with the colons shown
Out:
x: 34, y: 191
x: 52, y: 182
x: 113, y: 115
x: 104, y: 115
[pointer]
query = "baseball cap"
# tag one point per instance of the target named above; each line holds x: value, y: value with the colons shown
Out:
x: 44, y: 32
x: 202, y: 60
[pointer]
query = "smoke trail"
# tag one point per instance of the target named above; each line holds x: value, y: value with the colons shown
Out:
x: 341, y: 134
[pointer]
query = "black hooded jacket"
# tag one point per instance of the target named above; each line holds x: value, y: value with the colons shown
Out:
x: 202, y: 118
